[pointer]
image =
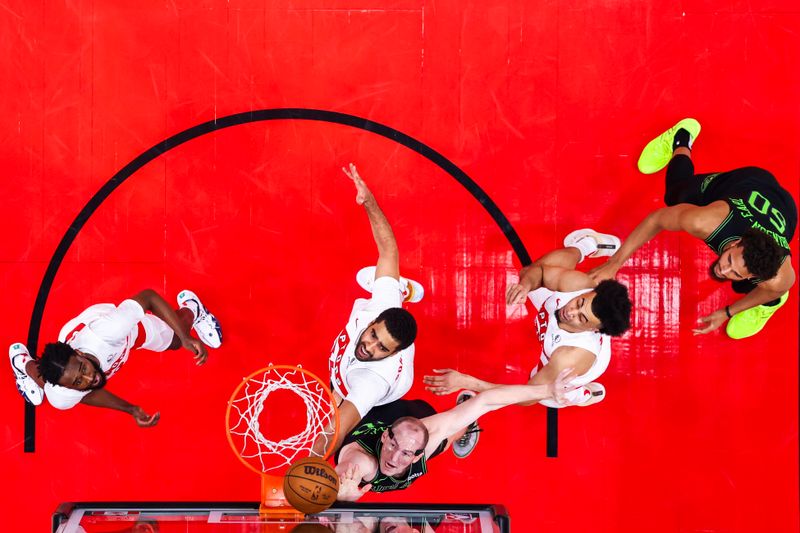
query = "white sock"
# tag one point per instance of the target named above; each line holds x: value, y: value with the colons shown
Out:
x: 586, y: 245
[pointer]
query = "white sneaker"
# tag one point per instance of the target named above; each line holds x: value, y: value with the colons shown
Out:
x: 27, y: 387
x: 598, y: 394
x: 412, y: 290
x: 205, y: 324
x: 466, y: 444
x: 607, y: 245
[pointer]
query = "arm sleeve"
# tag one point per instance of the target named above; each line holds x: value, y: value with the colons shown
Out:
x: 366, y: 389
x: 385, y: 295
x: 117, y: 324
x: 63, y: 398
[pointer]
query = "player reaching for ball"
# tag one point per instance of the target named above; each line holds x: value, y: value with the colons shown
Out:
x: 93, y: 346
x: 372, y: 359
x: 391, y: 447
x: 575, y: 319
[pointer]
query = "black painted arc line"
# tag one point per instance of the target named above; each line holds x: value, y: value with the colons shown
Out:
x: 552, y: 432
x: 235, y: 120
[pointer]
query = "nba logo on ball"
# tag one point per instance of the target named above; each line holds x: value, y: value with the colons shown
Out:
x: 311, y: 485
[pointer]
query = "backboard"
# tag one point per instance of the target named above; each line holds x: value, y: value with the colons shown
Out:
x: 244, y: 517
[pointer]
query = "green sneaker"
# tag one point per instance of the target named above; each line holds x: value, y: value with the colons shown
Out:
x: 658, y: 152
x: 751, y: 321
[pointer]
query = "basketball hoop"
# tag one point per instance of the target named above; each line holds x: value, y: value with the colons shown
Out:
x: 276, y: 416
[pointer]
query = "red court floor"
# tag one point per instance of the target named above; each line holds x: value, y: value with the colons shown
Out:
x: 545, y: 105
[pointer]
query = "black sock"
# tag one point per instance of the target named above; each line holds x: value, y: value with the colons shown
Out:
x: 772, y: 303
x: 681, y: 139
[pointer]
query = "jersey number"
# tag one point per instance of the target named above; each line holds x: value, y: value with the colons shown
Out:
x: 758, y: 202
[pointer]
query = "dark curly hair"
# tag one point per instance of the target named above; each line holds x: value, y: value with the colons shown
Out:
x: 400, y: 325
x: 54, y: 361
x: 613, y: 307
x: 762, y: 255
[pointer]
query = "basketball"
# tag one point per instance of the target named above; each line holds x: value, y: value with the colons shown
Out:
x: 311, y: 485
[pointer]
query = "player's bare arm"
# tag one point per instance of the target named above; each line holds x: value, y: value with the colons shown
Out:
x: 764, y: 292
x: 354, y: 466
x: 104, y: 398
x: 443, y: 425
x: 151, y: 301
x: 697, y: 221
x: 447, y: 381
x: 349, y: 418
x: 388, y: 254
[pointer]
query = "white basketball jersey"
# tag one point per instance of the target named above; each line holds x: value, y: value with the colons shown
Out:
x: 105, y: 331
x: 395, y: 373
x: 553, y: 337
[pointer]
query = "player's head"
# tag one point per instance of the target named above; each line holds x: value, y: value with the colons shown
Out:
x: 393, y: 330
x: 396, y: 524
x: 612, y: 306
x: 606, y: 309
x: 402, y: 444
x: 61, y: 365
x: 754, y: 255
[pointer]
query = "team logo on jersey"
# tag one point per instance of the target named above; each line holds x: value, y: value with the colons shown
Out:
x: 542, y: 319
x: 556, y: 339
x: 335, y: 361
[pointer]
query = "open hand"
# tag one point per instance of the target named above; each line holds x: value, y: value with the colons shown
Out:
x: 197, y: 348
x: 362, y: 191
x: 561, y: 386
x: 711, y: 322
x: 516, y: 293
x: 143, y: 419
x: 607, y: 270
x: 348, y: 484
x: 447, y: 382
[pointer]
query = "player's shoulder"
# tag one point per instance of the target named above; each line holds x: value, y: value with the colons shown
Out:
x: 566, y: 356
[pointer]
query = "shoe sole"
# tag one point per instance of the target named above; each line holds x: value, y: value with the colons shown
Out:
x: 604, y: 249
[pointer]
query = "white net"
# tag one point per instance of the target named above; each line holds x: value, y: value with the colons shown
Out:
x: 247, y: 410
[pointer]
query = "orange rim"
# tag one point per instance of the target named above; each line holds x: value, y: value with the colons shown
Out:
x: 262, y: 371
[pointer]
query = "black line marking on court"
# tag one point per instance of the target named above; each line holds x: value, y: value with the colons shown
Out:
x: 245, y: 118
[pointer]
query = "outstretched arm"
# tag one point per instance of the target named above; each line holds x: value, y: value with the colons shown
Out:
x: 681, y: 217
x: 354, y: 465
x: 388, y: 254
x: 442, y: 425
x: 447, y: 381
x: 151, y: 301
x: 349, y: 417
x: 766, y: 291
x: 103, y: 398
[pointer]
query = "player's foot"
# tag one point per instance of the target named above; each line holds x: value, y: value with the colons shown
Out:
x: 205, y: 324
x: 658, y: 152
x: 27, y: 387
x: 412, y: 290
x: 592, y: 243
x: 464, y: 445
x: 751, y: 321
x: 597, y: 394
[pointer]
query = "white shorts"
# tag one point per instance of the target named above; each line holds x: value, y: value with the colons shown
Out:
x: 157, y: 334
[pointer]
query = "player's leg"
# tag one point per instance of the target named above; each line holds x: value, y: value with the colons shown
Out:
x: 578, y: 245
x: 412, y: 290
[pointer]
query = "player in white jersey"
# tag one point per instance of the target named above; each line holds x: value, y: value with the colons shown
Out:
x: 93, y: 346
x: 372, y: 359
x: 575, y: 318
